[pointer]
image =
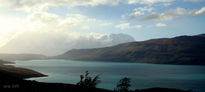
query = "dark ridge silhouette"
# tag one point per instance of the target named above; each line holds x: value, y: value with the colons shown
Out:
x: 182, y: 50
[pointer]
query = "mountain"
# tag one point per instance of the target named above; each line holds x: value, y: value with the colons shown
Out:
x: 13, y: 57
x: 185, y: 50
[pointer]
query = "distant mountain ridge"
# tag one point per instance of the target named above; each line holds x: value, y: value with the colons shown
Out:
x: 13, y: 57
x: 185, y: 50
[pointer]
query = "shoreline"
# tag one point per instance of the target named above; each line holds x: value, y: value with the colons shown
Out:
x: 14, y: 78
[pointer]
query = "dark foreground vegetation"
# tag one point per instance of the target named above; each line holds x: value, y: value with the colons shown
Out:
x: 13, y: 84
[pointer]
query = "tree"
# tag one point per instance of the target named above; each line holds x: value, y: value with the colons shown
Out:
x: 87, y: 81
x: 123, y: 85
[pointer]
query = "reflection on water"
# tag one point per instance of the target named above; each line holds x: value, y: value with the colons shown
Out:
x: 142, y: 75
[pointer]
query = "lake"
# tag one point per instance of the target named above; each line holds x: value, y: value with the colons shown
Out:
x: 142, y: 75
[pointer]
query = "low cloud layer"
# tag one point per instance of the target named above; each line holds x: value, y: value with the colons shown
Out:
x: 54, y: 43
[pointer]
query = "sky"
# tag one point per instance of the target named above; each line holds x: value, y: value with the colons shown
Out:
x: 52, y: 27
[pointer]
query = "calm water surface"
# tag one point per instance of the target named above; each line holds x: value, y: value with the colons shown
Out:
x: 142, y: 75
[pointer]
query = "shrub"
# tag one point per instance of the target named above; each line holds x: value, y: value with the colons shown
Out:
x: 87, y: 81
x: 123, y: 85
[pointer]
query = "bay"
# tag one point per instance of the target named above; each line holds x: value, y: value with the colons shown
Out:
x: 142, y: 75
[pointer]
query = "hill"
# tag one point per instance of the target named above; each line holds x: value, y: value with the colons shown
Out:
x: 185, y: 50
x: 17, y: 72
x: 13, y: 57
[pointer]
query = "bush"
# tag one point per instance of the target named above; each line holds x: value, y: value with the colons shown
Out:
x: 87, y: 81
x: 123, y: 85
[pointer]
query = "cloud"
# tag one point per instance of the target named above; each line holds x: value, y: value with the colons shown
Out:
x: 139, y: 12
x: 148, y: 9
x: 148, y: 1
x: 167, y: 15
x: 174, y: 13
x: 136, y: 13
x: 160, y: 25
x: 85, y: 27
x: 37, y: 5
x: 137, y: 26
x: 198, y: 12
x: 157, y: 1
x: 166, y: 4
x: 77, y: 22
x: 193, y: 0
x: 51, y: 34
x: 124, y: 26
